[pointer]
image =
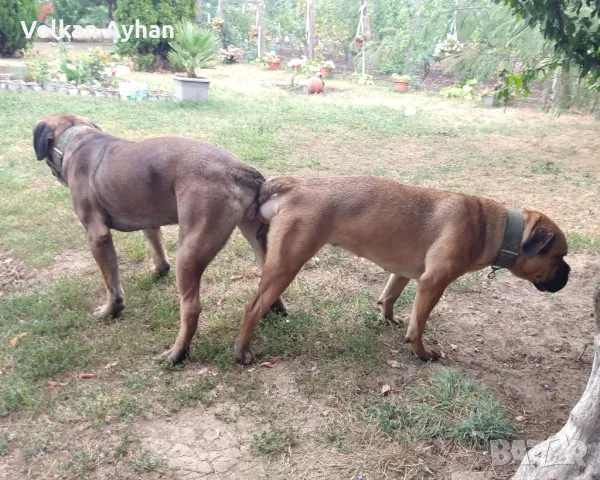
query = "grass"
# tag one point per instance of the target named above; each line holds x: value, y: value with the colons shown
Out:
x: 274, y: 441
x: 333, y: 345
x: 451, y: 407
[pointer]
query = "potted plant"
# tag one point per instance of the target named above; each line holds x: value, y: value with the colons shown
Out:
x: 273, y: 60
x: 359, y: 40
x: 327, y: 68
x: 401, y: 82
x: 295, y: 64
x: 489, y: 97
x: 192, y: 49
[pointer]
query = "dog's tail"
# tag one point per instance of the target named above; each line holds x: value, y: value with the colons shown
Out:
x: 248, y: 177
x: 274, y: 186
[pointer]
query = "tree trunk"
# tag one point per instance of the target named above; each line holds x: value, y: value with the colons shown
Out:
x: 221, y: 11
x: 366, y: 22
x: 262, y: 35
x: 311, y: 40
x: 198, y: 11
x: 554, y: 92
x: 574, y: 452
x: 111, y: 8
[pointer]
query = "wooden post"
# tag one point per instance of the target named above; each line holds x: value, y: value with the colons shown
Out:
x: 262, y: 37
x: 366, y: 22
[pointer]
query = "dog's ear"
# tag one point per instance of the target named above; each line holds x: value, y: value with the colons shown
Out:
x: 539, y: 242
x: 42, y: 136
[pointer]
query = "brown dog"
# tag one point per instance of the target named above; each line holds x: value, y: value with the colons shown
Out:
x: 415, y: 233
x: 127, y: 186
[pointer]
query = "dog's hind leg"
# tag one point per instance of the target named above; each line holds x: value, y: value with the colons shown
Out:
x: 393, y: 289
x: 159, y: 255
x: 103, y: 250
x: 200, y: 239
x: 290, y: 247
x: 250, y: 230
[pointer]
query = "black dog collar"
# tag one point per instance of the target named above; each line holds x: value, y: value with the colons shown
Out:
x: 509, y: 251
x: 59, y: 150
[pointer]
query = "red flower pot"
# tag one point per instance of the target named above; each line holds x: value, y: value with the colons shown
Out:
x: 358, y: 42
x: 255, y: 32
x: 401, y: 86
x: 326, y: 73
x: 295, y: 68
x: 274, y: 65
x: 315, y: 85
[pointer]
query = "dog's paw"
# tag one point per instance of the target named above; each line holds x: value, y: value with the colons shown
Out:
x: 161, y: 270
x: 279, y: 308
x: 173, y: 355
x: 109, y: 310
x: 244, y: 357
x: 429, y: 355
x: 395, y: 319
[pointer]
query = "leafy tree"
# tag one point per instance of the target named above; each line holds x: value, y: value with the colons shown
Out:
x: 82, y: 12
x: 12, y: 37
x: 573, y: 28
x: 151, y: 12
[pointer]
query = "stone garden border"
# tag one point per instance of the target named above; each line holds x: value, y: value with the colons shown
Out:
x: 7, y: 84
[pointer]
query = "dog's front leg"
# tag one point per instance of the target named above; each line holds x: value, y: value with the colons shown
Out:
x: 103, y: 250
x: 430, y: 289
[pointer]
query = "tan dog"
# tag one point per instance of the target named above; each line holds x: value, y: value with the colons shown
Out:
x: 123, y: 185
x: 415, y: 233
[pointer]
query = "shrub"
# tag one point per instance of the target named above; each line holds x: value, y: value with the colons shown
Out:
x: 464, y: 90
x: 231, y: 54
x: 12, y: 37
x: 151, y: 12
x: 193, y: 48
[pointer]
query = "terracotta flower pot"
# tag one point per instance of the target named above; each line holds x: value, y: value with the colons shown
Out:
x: 274, y: 65
x: 315, y: 85
x: 255, y: 32
x: 326, y: 73
x: 358, y: 42
x: 401, y: 86
x: 295, y: 68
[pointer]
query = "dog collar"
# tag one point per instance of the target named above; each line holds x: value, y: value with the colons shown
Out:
x: 59, y: 149
x: 509, y: 251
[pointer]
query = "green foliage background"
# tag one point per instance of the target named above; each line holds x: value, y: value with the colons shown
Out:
x: 12, y: 12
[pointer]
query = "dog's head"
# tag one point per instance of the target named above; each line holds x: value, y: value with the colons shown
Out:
x: 541, y: 256
x: 48, y: 130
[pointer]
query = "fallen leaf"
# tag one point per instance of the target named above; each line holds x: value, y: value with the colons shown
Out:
x: 393, y: 363
x: 520, y: 418
x: 236, y: 277
x: 86, y: 375
x: 15, y: 339
x: 110, y: 365
x: 266, y: 364
x: 385, y: 390
x: 56, y: 384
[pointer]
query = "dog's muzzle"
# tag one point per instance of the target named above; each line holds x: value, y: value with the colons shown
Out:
x: 559, y: 280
